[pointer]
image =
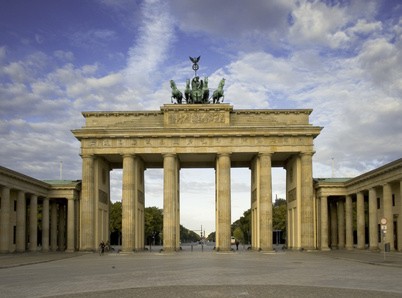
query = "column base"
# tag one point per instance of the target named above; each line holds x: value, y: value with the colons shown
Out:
x: 168, y: 249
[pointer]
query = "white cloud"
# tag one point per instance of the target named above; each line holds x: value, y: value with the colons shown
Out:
x: 315, y: 22
x: 149, y: 51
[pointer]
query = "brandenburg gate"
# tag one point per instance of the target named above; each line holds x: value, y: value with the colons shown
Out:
x: 196, y: 135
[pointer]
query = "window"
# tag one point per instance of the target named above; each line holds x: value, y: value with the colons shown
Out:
x: 14, y: 234
x: 393, y: 199
x: 378, y: 203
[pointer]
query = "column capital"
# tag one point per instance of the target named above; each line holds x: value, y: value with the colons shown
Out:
x: 86, y: 155
x: 264, y: 154
x: 223, y: 153
x: 306, y: 153
x: 169, y: 154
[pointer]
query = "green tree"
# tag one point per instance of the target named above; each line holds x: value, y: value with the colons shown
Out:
x: 244, y: 223
x: 211, y: 237
x: 115, y: 223
x: 279, y: 216
x: 153, y: 217
x: 239, y: 235
x: 188, y: 235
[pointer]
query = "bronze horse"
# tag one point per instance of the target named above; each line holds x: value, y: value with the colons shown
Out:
x: 176, y: 93
x: 218, y: 93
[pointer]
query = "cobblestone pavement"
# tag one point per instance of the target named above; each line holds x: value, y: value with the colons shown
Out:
x: 204, y: 273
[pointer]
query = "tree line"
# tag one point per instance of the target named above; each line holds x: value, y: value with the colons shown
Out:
x: 153, y: 230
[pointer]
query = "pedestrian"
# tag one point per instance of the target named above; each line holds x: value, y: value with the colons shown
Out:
x: 237, y: 244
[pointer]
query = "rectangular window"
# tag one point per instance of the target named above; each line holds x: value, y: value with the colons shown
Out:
x: 393, y: 199
x: 14, y: 234
x: 15, y: 205
x: 379, y: 233
x: 378, y: 203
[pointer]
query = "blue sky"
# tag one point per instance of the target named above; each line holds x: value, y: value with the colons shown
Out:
x: 343, y: 59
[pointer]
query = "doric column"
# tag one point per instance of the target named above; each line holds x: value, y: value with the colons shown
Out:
x: 128, y: 228
x: 307, y: 216
x: 169, y: 202
x: 334, y: 224
x: 177, y: 203
x: 5, y: 220
x: 361, y: 240
x: 33, y: 223
x: 70, y: 225
x: 53, y: 226
x: 349, y: 222
x: 139, y: 204
x: 223, y: 211
x: 341, y: 224
x: 387, y: 198
x: 324, y: 222
x: 21, y: 222
x: 61, y: 235
x: 87, y: 210
x: 45, y: 225
x: 373, y: 221
x: 265, y: 207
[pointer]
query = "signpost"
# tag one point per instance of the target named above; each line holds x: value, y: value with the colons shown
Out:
x: 384, y: 232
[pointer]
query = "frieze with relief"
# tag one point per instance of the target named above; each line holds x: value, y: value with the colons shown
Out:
x: 194, y: 141
x: 187, y: 118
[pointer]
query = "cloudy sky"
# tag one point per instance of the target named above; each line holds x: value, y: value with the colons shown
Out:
x: 341, y: 58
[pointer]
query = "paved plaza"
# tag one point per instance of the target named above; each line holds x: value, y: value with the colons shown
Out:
x: 202, y: 273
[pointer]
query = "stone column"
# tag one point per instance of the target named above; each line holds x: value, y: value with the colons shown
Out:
x: 45, y: 225
x: 87, y: 225
x: 349, y: 222
x: 341, y: 224
x: 128, y: 204
x: 387, y: 198
x: 169, y: 202
x: 33, y: 223
x: 53, y: 226
x: 61, y: 236
x: 21, y: 222
x: 5, y: 220
x: 307, y: 216
x: 373, y: 221
x: 223, y: 208
x: 361, y: 239
x: 139, y: 204
x: 324, y: 222
x: 177, y: 203
x: 334, y: 224
x: 70, y: 225
x: 265, y: 207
